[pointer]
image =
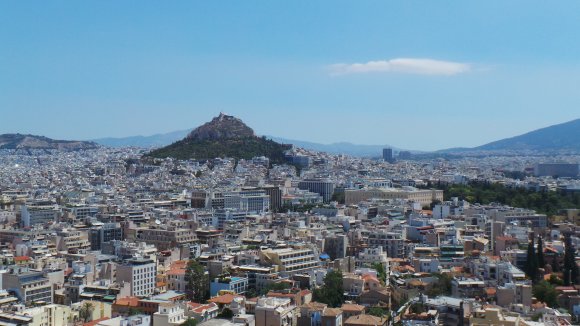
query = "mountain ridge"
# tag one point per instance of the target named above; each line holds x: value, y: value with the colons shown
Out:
x: 557, y: 137
x: 155, y: 140
x: 27, y: 141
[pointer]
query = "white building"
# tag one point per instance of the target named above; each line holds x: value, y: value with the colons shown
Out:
x: 169, y: 314
x: 140, y: 273
x: 275, y: 312
x: 35, y: 214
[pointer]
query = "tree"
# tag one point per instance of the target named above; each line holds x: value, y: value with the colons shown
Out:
x: 251, y: 293
x: 555, y: 264
x: 570, y: 267
x: 378, y: 312
x: 134, y: 311
x: 531, y: 267
x: 279, y: 286
x: 86, y: 311
x: 226, y: 313
x: 196, y: 287
x: 189, y: 322
x: 554, y: 280
x: 331, y: 292
x: 381, y: 273
x: 541, y: 261
x: 442, y: 286
x: 547, y: 293
x: 417, y: 308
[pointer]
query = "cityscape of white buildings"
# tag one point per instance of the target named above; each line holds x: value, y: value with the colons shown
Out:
x: 104, y: 237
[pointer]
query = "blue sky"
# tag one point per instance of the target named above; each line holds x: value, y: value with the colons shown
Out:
x: 414, y: 74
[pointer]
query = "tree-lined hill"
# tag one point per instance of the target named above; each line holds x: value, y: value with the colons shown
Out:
x: 223, y: 136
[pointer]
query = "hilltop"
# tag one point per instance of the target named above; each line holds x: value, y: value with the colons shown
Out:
x: 19, y: 141
x: 223, y: 136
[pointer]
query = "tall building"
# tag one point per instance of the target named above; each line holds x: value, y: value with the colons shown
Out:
x: 325, y: 188
x: 275, y: 196
x: 140, y: 273
x: 388, y: 155
x: 335, y: 246
x: 105, y: 233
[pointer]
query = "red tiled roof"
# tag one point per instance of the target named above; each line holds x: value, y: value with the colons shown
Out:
x: 369, y: 277
x: 224, y: 299
x: 95, y: 322
x: 21, y: 258
x: 201, y: 307
x: 128, y: 301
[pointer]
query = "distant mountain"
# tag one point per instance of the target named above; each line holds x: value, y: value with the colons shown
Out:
x: 223, y: 136
x: 19, y: 141
x: 564, y: 136
x: 156, y: 140
x: 340, y: 147
x: 557, y: 137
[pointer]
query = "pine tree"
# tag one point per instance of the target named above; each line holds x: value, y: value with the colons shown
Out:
x: 331, y: 292
x: 531, y: 267
x: 541, y: 261
x: 570, y: 267
x: 555, y: 264
x: 196, y: 287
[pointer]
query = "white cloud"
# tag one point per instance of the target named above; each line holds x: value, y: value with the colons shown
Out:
x: 403, y: 65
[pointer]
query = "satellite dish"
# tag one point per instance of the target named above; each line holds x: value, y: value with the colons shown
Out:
x: 158, y: 222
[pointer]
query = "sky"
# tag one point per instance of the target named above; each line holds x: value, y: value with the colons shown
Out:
x: 420, y: 75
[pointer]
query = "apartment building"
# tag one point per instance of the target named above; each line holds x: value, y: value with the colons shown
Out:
x: 325, y: 188
x: 514, y: 294
x: 253, y: 200
x: 73, y: 241
x: 392, y: 242
x: 169, y: 314
x: 237, y: 285
x: 176, y: 275
x: 104, y: 233
x: 335, y: 246
x: 81, y: 212
x: 370, y: 256
x: 140, y: 273
x: 35, y: 214
x: 275, y: 312
x: 290, y: 260
x: 164, y: 236
x: 29, y: 285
